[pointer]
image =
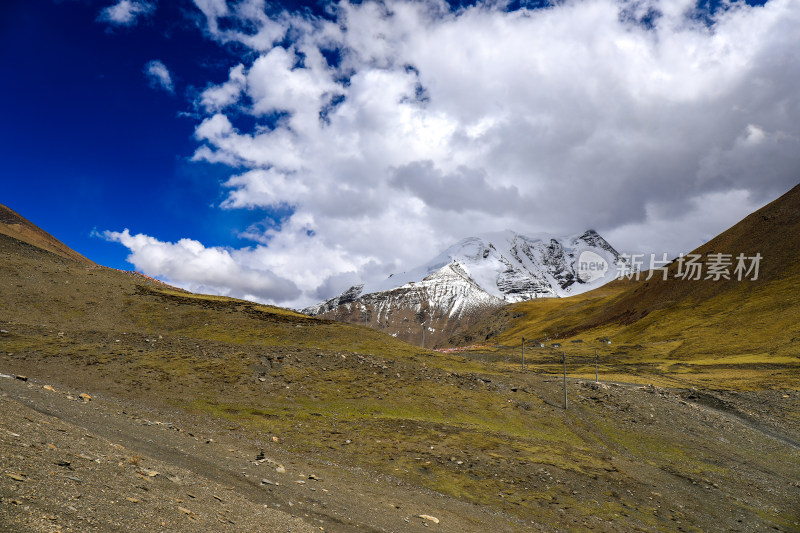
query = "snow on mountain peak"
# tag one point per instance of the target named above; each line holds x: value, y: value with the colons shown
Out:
x: 472, y: 277
x: 505, y: 265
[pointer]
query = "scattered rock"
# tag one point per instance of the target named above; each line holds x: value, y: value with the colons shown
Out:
x: 86, y: 397
x: 429, y: 518
x: 16, y: 477
x: 280, y: 469
x: 21, y: 378
x: 48, y: 387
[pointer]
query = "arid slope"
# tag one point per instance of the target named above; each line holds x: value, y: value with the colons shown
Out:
x: 392, y: 431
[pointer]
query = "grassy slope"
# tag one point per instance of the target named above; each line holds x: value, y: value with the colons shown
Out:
x: 720, y: 334
x: 315, y: 383
x: 353, y: 396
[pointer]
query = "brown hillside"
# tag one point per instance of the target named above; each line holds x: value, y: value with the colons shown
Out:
x: 129, y: 406
x: 773, y: 231
x: 14, y: 225
x: 717, y: 333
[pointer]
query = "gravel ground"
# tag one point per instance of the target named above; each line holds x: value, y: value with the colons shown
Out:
x: 72, y: 464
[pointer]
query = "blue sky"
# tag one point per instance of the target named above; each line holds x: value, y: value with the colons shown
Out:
x: 88, y: 143
x: 282, y: 152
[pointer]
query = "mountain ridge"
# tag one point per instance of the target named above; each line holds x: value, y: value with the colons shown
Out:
x: 142, y: 394
x: 476, y: 275
x: 734, y: 332
x: 18, y: 227
x: 771, y: 232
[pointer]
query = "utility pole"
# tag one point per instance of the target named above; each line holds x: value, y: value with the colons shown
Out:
x: 604, y: 340
x: 564, y: 361
x: 596, y: 380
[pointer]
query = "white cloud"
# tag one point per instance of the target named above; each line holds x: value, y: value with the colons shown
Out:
x: 263, y: 187
x: 159, y: 75
x: 189, y: 264
x: 244, y: 14
x: 217, y: 97
x: 431, y: 125
x: 126, y: 12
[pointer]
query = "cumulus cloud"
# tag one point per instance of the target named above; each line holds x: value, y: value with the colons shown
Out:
x: 189, y: 264
x: 126, y: 12
x: 393, y: 129
x: 239, y: 19
x: 217, y: 97
x: 159, y: 75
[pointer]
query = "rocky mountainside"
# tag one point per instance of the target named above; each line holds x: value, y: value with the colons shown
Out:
x: 474, y: 276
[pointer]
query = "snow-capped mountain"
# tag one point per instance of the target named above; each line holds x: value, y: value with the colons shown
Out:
x: 476, y: 274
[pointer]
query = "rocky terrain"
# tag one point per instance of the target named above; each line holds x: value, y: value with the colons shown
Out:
x: 439, y: 306
x: 128, y: 405
x: 668, y: 459
x: 71, y: 464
